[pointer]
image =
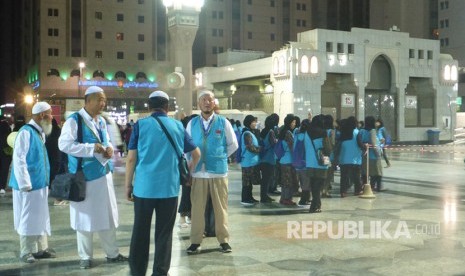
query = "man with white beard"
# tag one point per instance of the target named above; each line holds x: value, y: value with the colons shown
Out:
x: 98, y: 213
x: 30, y: 177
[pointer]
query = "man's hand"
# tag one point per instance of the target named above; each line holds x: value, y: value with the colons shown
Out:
x: 98, y: 148
x: 129, y: 196
x: 108, y: 153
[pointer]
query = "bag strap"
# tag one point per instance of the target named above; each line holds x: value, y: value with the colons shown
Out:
x: 80, y: 139
x: 314, y: 148
x: 167, y: 135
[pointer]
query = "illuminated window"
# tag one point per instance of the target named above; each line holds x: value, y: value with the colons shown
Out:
x: 119, y: 36
x: 446, y: 72
x: 314, y: 65
x: 453, y: 73
x: 304, y: 64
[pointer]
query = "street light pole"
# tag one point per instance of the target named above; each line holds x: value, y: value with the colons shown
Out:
x: 82, y: 65
x: 183, y: 23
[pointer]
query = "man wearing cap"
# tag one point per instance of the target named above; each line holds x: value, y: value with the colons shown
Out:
x: 29, y: 182
x: 215, y: 137
x: 152, y: 182
x: 98, y: 213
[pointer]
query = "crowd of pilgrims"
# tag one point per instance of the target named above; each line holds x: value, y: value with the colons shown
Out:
x: 291, y: 156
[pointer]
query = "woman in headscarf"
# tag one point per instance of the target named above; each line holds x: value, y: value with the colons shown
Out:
x: 288, y: 173
x: 250, y: 150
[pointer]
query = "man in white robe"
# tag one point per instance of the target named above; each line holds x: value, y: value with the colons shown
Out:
x: 98, y: 213
x: 29, y: 181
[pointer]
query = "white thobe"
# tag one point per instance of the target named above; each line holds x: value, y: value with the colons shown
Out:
x: 99, y: 210
x: 30, y: 209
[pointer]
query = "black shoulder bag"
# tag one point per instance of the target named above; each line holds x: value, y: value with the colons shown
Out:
x: 184, y: 173
x: 71, y: 186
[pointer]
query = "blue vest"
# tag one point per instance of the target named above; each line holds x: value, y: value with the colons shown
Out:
x: 310, y: 152
x: 268, y: 155
x: 212, y: 145
x: 157, y: 173
x: 350, y: 153
x: 366, y: 139
x: 287, y: 157
x: 91, y: 167
x: 37, y: 162
x: 249, y: 159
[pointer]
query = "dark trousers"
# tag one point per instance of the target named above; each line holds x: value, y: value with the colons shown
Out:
x: 317, y: 184
x: 5, y: 162
x: 350, y: 174
x: 165, y: 216
x: 185, y: 204
x: 267, y: 179
x: 276, y: 178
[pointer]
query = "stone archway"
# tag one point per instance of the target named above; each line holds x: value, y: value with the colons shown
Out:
x: 380, y: 98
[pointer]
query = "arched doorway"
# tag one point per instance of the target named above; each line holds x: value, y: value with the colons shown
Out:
x: 380, y: 97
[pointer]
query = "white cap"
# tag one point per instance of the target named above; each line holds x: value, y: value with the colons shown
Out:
x: 40, y: 107
x: 159, y: 93
x: 93, y: 89
x: 205, y: 92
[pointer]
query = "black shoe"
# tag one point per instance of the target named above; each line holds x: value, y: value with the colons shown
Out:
x: 118, y: 259
x: 85, y: 264
x: 194, y: 249
x: 254, y: 200
x: 266, y: 200
x: 275, y: 192
x: 248, y: 203
x: 225, y: 248
x: 45, y: 254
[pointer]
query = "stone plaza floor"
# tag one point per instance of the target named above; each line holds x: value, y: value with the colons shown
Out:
x: 416, y: 227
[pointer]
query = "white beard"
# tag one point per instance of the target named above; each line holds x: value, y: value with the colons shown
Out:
x: 46, y: 127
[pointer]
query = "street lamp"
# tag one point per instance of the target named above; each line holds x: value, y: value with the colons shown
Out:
x: 183, y: 23
x: 82, y: 65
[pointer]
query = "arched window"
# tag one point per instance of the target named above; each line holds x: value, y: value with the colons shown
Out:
x: 53, y: 72
x: 275, y: 66
x: 314, y: 65
x: 98, y: 74
x: 453, y: 73
x: 304, y: 66
x: 120, y: 75
x: 447, y: 72
x: 282, y: 65
x: 75, y: 73
x: 141, y: 75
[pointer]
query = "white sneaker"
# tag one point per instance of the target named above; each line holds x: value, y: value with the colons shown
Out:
x: 2, y: 192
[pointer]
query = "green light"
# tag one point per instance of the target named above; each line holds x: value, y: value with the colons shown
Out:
x: 130, y: 77
x: 458, y: 101
x: 152, y: 78
x: 64, y: 76
x: 87, y: 76
x: 109, y: 76
x: 131, y: 109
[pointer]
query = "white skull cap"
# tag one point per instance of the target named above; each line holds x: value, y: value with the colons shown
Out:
x: 205, y: 92
x: 159, y: 93
x: 93, y: 89
x: 40, y: 107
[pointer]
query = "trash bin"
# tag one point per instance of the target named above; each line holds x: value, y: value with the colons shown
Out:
x: 433, y: 136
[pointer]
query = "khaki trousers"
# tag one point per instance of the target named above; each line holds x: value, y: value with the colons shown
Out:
x: 217, y: 188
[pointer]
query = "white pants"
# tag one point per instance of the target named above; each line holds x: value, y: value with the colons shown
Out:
x: 107, y: 240
x: 32, y: 244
